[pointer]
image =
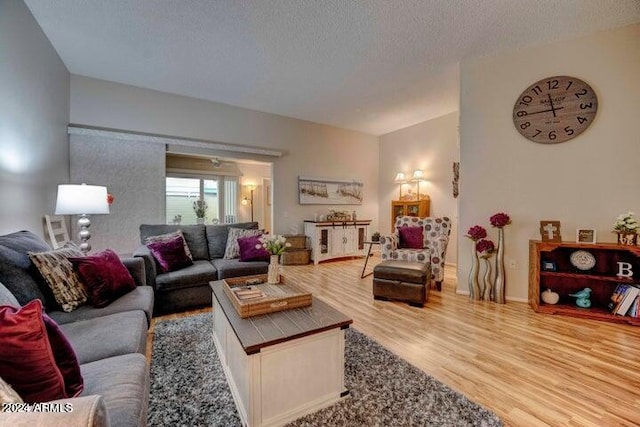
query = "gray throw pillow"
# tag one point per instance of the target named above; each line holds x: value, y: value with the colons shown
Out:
x: 17, y: 272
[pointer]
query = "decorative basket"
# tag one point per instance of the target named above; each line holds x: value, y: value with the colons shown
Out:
x: 279, y: 297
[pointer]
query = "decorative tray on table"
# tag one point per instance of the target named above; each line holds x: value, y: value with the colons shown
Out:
x: 253, y: 296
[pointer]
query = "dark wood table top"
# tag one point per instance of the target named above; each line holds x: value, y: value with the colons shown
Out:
x: 261, y: 331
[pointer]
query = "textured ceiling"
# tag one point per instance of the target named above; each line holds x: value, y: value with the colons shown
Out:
x: 368, y: 65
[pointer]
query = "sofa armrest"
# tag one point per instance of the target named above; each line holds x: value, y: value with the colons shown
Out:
x: 136, y: 268
x: 89, y: 411
x: 149, y: 264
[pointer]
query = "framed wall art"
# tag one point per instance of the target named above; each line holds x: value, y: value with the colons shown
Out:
x: 549, y: 265
x: 327, y: 191
x: 550, y: 231
x: 585, y: 235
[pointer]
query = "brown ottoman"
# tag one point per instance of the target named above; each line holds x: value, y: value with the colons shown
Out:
x: 401, y: 280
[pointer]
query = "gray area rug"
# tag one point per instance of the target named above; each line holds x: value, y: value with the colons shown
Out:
x: 188, y: 386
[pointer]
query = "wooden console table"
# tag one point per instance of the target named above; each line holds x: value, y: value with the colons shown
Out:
x: 283, y: 365
x: 336, y: 239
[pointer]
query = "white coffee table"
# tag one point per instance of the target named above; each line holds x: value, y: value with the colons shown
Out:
x: 283, y: 365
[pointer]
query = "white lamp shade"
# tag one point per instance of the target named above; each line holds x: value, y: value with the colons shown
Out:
x: 81, y: 199
x: 418, y: 174
x: 399, y: 177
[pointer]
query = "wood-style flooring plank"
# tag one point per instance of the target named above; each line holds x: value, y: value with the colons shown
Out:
x: 531, y: 369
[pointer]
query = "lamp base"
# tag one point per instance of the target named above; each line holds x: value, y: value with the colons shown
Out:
x: 84, y: 223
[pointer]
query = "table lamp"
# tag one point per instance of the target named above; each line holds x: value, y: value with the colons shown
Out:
x: 82, y: 200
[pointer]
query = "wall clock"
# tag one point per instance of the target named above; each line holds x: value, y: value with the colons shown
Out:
x: 555, y: 109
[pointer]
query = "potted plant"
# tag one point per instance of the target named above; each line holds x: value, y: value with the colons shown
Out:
x: 200, y: 208
x: 375, y: 237
x: 626, y: 226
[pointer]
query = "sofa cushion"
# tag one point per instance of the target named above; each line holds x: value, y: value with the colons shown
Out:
x: 200, y: 273
x: 35, y: 356
x: 108, y: 336
x: 233, y: 249
x: 235, y: 268
x: 170, y: 236
x: 141, y: 298
x: 18, y: 273
x: 170, y: 254
x: 217, y: 237
x: 57, y: 271
x: 6, y: 297
x: 105, y: 277
x: 251, y: 249
x: 123, y: 383
x: 194, y: 235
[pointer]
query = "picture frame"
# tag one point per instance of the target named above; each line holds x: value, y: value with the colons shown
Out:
x: 327, y: 191
x: 550, y: 231
x: 586, y: 235
x: 549, y: 265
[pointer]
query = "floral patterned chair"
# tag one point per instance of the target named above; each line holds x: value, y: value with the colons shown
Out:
x: 435, y: 235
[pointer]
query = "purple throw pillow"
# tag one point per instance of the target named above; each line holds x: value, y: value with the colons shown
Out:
x: 105, y: 277
x: 35, y: 357
x: 249, y: 251
x: 170, y: 254
x: 411, y: 237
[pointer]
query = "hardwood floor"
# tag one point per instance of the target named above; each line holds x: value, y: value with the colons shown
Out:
x: 530, y: 369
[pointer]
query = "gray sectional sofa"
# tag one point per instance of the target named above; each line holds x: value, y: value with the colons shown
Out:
x: 189, y: 287
x: 110, y: 342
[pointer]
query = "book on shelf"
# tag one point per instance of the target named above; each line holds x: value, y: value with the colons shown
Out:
x: 629, y: 297
x: 617, y: 296
x: 633, y: 310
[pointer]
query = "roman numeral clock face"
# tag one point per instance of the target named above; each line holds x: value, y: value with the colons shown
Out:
x: 555, y: 109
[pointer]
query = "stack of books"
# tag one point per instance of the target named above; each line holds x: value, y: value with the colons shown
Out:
x: 248, y: 292
x: 625, y: 300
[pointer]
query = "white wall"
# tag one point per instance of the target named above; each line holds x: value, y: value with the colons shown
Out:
x: 254, y: 173
x: 34, y: 112
x: 433, y: 147
x: 311, y: 149
x: 134, y: 173
x: 585, y: 182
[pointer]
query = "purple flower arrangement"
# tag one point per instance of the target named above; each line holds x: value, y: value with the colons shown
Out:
x: 500, y: 219
x: 485, y: 248
x: 476, y: 233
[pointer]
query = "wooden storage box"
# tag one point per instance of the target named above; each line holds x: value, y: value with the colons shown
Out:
x: 278, y: 297
x: 298, y: 241
x: 296, y: 256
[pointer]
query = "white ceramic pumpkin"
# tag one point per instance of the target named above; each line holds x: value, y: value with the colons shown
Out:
x: 550, y: 297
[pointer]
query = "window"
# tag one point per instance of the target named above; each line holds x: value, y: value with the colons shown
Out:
x: 219, y: 193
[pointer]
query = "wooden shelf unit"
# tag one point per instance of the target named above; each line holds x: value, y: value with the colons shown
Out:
x: 419, y: 208
x: 567, y: 279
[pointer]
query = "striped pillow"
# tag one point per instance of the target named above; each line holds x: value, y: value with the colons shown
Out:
x: 233, y: 249
x: 58, y: 273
